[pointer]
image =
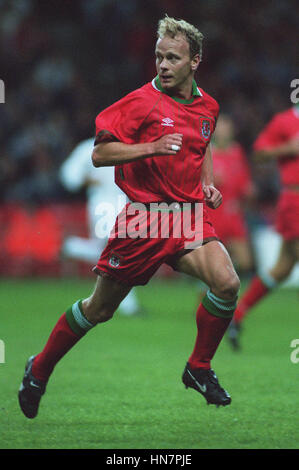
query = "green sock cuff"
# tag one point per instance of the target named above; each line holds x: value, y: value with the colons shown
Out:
x: 219, y: 307
x: 76, y: 319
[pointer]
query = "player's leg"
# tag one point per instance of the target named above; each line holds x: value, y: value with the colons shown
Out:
x: 105, y: 299
x: 259, y: 287
x: 264, y: 283
x: 87, y: 249
x: 210, y: 263
x: 70, y: 328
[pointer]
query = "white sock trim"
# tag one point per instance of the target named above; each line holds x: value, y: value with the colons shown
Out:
x: 80, y: 318
x: 221, y: 303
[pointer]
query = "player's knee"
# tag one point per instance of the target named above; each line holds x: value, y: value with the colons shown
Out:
x: 101, y: 315
x: 282, y: 270
x: 229, y: 287
x: 97, y: 313
x: 104, y: 314
x: 280, y: 274
x: 233, y: 287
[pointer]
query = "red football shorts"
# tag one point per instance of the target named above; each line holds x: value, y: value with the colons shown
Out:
x: 229, y: 222
x: 140, y: 244
x: 287, y: 218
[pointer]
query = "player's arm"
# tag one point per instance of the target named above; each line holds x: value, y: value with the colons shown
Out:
x: 287, y: 149
x: 213, y: 197
x: 116, y: 153
x: 272, y: 143
x: 72, y: 172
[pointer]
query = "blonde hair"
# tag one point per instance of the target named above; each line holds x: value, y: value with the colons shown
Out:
x: 171, y: 27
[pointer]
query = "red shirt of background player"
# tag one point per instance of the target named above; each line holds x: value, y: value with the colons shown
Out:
x: 232, y: 178
x: 283, y: 128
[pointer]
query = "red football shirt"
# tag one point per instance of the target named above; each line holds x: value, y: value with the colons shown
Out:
x: 283, y: 127
x: 147, y: 114
x: 231, y: 172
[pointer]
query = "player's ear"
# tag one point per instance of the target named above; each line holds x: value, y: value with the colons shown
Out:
x: 195, y: 62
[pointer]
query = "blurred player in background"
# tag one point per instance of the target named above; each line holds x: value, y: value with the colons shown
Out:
x: 233, y: 179
x: 280, y: 141
x: 104, y: 200
x: 158, y: 137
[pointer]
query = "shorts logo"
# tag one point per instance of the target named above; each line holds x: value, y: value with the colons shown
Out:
x: 205, y: 127
x: 167, y: 122
x: 114, y: 261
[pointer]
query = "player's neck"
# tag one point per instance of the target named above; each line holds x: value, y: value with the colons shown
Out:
x: 182, y: 94
x: 183, y: 91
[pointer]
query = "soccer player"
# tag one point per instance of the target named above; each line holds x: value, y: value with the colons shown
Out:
x: 279, y: 140
x: 157, y: 137
x: 229, y: 221
x: 103, y: 199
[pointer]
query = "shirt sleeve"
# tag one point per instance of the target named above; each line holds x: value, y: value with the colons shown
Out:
x: 121, y: 121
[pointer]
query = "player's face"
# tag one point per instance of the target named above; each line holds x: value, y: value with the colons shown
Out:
x: 174, y: 65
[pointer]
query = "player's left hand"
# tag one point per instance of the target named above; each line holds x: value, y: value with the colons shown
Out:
x: 213, y: 197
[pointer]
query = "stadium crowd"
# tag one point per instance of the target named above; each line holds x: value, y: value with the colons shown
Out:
x: 62, y: 62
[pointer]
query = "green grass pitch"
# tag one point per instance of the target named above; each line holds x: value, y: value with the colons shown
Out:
x: 120, y: 387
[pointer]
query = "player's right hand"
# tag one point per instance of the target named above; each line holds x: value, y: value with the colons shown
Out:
x: 169, y: 144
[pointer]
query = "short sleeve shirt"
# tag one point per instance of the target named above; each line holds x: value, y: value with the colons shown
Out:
x: 146, y: 115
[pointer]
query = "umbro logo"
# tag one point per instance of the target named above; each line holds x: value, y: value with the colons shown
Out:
x: 167, y: 122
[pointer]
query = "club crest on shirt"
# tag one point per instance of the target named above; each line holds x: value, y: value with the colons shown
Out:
x: 205, y: 127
